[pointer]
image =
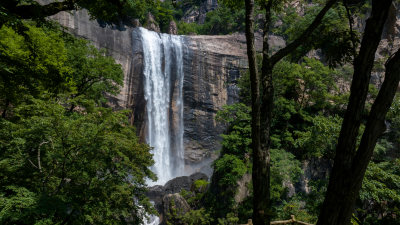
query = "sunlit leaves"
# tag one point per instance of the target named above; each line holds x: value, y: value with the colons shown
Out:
x: 91, y: 163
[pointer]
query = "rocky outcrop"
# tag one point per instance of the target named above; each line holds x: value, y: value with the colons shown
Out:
x: 174, y: 206
x: 167, y: 197
x: 172, y: 29
x: 176, y: 185
x: 151, y: 23
x: 243, y: 188
x: 196, y: 13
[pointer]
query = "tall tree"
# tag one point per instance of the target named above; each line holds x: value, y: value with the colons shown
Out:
x: 261, y: 122
x: 350, y: 163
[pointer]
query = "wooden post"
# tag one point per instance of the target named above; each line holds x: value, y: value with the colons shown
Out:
x: 250, y: 222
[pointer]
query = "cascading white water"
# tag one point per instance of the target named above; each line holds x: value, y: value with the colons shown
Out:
x: 163, y: 73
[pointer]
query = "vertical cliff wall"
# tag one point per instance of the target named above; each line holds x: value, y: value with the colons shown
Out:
x: 212, y: 66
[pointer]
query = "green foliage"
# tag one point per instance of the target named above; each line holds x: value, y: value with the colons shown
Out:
x: 64, y: 157
x: 108, y: 11
x: 393, y: 118
x: 333, y: 36
x: 200, y: 185
x: 238, y: 139
x: 223, y: 20
x: 309, y: 83
x: 30, y: 62
x: 230, y: 168
x: 92, y: 74
x: 285, y: 168
x: 303, y: 91
x: 85, y: 167
x: 319, y: 140
x: 294, y: 207
x: 380, y: 193
x: 188, y: 28
x: 197, y: 217
x: 230, y: 219
x: 195, y: 196
x: 164, y: 13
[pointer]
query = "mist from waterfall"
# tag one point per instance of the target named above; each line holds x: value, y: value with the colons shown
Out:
x: 163, y: 83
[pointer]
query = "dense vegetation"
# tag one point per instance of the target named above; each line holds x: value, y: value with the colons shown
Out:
x: 309, y: 105
x: 306, y: 125
x: 65, y: 158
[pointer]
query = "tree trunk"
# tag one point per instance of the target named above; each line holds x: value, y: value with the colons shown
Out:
x: 346, y: 177
x: 258, y: 174
x: 261, y: 159
x: 261, y: 123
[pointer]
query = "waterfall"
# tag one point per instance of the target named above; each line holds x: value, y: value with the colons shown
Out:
x: 163, y: 82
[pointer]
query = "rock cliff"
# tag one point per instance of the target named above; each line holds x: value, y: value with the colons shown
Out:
x: 211, y: 66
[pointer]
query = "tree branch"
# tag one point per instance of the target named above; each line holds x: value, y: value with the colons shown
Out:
x: 38, y: 155
x: 40, y: 11
x: 304, y: 36
x: 351, y: 22
x: 376, y: 119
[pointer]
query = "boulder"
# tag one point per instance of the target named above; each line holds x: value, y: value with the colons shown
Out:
x: 176, y: 185
x: 174, y: 206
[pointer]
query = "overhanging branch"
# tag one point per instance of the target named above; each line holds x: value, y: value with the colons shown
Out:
x: 304, y: 36
x: 40, y: 11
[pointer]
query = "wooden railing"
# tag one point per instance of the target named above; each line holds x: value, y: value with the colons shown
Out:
x: 291, y: 221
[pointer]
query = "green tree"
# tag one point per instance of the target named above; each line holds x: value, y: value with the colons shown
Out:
x: 63, y: 157
x: 262, y: 104
x: 30, y: 62
x: 238, y: 138
x: 92, y: 74
x: 351, y: 159
x: 72, y: 168
x: 380, y: 193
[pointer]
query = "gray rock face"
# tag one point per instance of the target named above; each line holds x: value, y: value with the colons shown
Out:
x: 212, y: 66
